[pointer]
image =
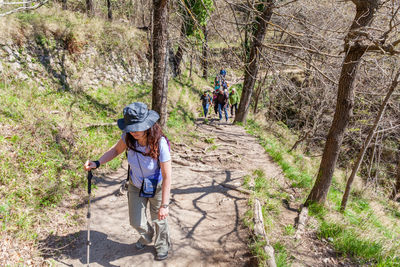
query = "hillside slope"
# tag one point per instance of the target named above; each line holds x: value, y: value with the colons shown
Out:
x: 64, y: 80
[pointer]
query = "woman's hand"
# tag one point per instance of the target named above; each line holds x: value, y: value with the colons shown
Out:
x: 89, y: 165
x: 163, y: 213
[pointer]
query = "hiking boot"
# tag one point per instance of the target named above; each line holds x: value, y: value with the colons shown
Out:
x: 162, y: 256
x: 139, y: 246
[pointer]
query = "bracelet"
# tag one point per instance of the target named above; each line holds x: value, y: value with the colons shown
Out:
x: 97, y: 163
x: 164, y: 206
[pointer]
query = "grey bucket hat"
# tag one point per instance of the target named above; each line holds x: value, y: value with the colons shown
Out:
x: 137, y: 117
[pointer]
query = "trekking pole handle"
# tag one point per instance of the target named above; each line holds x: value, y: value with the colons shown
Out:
x: 89, y: 178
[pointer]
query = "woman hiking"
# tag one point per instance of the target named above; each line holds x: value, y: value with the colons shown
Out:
x: 149, y: 174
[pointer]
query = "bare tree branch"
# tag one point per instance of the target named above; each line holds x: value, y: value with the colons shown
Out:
x: 24, y: 8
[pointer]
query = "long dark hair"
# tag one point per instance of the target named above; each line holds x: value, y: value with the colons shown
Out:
x: 153, y: 136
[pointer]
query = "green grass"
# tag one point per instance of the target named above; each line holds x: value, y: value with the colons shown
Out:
x: 299, y: 178
x: 352, y: 245
x: 51, y: 138
x: 249, y: 215
x: 257, y: 249
x: 360, y: 235
x: 281, y: 255
x: 261, y: 183
x: 209, y: 140
x: 389, y: 262
x: 348, y: 242
x: 45, y: 155
x: 289, y: 230
x: 264, y: 191
x: 317, y: 210
x: 246, y: 181
x: 329, y: 230
x: 178, y: 119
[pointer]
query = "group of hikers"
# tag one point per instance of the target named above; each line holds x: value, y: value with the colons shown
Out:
x: 221, y: 98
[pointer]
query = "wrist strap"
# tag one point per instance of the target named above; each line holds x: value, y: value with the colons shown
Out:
x: 97, y: 163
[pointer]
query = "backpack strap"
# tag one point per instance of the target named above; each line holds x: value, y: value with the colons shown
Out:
x: 129, y: 166
x: 169, y: 144
x: 137, y: 151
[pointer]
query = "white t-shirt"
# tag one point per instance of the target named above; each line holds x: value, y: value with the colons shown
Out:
x: 149, y: 165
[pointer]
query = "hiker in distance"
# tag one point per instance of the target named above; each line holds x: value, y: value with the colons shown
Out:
x: 215, y: 94
x: 220, y: 77
x: 149, y: 172
x: 222, y: 102
x: 206, y: 102
x: 233, y: 101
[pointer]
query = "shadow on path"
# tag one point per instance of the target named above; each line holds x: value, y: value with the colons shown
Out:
x: 103, y: 250
x: 215, y: 187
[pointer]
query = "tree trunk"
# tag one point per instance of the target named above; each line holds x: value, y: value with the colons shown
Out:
x: 191, y: 64
x: 149, y: 54
x: 365, y: 13
x: 89, y: 8
x: 396, y: 189
x: 204, y: 59
x: 257, y: 96
x: 64, y: 4
x: 378, y: 159
x: 144, y: 13
x: 300, y: 140
x: 246, y: 41
x: 160, y: 59
x: 371, y: 133
x: 251, y: 66
x: 371, y: 159
x: 109, y: 11
x: 179, y: 53
x: 177, y: 61
x: 259, y: 90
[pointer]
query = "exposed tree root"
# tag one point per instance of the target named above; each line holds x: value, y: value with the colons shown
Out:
x: 181, y: 162
x: 237, y: 188
x: 101, y: 124
x: 228, y: 140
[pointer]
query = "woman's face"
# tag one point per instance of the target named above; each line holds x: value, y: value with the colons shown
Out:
x: 138, y: 135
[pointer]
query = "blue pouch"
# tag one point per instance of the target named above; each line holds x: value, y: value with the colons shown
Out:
x: 149, y: 185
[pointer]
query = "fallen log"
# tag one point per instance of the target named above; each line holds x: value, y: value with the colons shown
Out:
x: 259, y: 230
x: 301, y: 223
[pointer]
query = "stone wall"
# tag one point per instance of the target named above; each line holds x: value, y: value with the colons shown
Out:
x: 52, y: 65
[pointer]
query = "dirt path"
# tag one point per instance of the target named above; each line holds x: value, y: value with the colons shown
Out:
x: 205, y: 217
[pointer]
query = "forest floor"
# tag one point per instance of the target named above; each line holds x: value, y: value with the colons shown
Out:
x: 206, y: 215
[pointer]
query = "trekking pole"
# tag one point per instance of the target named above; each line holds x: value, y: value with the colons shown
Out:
x: 89, y: 178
